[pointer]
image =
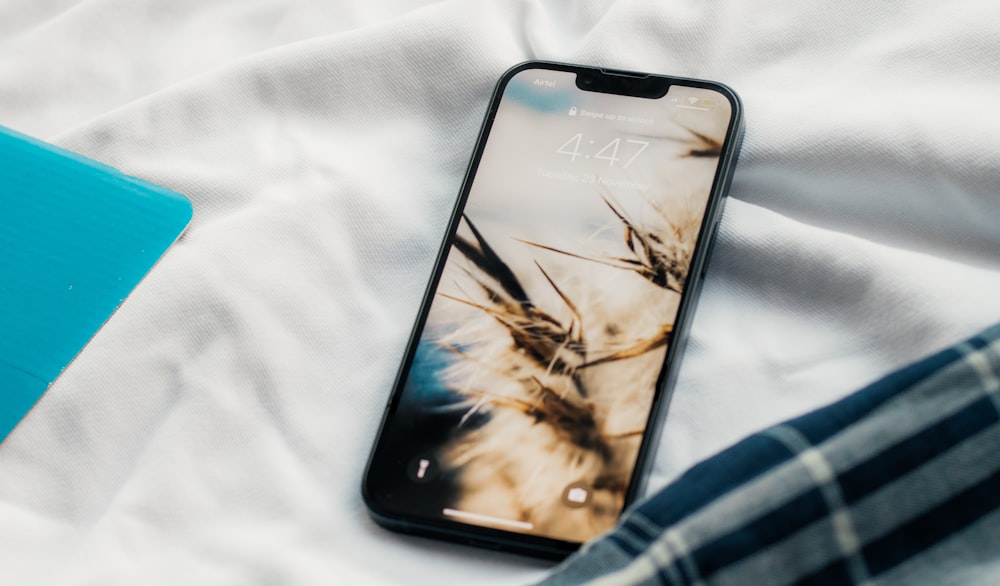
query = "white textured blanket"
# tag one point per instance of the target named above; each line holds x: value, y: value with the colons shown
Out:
x: 215, y: 431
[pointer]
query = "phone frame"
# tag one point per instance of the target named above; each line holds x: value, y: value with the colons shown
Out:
x: 525, y: 543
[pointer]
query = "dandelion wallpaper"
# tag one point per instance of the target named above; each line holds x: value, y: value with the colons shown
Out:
x: 531, y: 386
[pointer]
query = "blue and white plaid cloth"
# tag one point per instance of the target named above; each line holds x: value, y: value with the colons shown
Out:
x: 898, y: 483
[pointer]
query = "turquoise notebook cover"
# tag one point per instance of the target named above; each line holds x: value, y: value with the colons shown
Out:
x: 76, y: 236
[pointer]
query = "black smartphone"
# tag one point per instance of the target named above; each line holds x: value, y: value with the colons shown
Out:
x: 529, y: 398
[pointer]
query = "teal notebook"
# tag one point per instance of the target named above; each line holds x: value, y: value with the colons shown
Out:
x: 76, y: 236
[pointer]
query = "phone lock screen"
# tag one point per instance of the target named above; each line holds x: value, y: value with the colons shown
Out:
x: 529, y: 386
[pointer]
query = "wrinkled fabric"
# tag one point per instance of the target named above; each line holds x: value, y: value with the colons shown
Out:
x: 215, y: 431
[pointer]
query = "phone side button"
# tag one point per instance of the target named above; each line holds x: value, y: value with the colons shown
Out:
x: 710, y: 248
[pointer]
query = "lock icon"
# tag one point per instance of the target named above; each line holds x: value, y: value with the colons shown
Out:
x: 572, y: 111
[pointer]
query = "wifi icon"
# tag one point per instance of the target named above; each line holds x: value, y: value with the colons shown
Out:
x: 692, y: 100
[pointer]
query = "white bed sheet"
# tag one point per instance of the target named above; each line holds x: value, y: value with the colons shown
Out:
x: 215, y: 431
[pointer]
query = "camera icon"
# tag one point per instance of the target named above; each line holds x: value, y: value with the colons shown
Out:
x: 576, y: 495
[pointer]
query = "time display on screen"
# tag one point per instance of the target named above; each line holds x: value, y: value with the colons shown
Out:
x: 614, y: 152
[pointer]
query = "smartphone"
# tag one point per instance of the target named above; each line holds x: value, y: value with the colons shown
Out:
x: 529, y: 398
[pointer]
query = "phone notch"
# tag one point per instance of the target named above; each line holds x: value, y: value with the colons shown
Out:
x: 624, y: 83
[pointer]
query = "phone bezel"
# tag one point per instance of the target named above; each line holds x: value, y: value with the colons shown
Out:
x: 526, y: 543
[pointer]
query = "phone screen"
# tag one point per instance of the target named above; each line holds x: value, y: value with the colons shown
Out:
x: 530, y: 382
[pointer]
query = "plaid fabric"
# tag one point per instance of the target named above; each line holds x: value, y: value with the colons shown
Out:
x: 898, y: 483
